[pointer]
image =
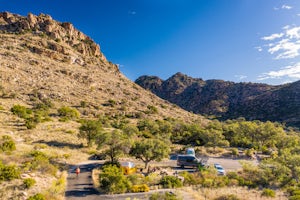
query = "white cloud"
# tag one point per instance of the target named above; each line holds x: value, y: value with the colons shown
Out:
x: 286, y: 49
x: 291, y: 72
x: 287, y: 7
x: 284, y: 45
x: 240, y: 77
x: 293, y: 33
x: 273, y: 36
x: 259, y: 48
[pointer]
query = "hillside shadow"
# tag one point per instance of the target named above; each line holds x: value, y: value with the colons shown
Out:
x: 58, y: 144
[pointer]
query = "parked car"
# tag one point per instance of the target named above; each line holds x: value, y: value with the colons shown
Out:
x: 188, y: 160
x: 220, y: 169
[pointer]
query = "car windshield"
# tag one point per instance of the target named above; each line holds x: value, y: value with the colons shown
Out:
x: 220, y: 168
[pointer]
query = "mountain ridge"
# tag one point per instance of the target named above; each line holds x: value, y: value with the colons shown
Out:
x: 229, y: 100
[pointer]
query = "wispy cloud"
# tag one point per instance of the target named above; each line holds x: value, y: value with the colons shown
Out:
x: 286, y: 7
x: 291, y: 72
x: 273, y: 36
x: 259, y: 48
x: 240, y: 77
x: 131, y: 12
x: 284, y: 45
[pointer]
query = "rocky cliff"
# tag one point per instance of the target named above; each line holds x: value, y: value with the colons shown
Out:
x: 42, y: 58
x: 228, y: 100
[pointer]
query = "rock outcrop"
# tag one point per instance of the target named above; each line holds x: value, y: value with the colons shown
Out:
x: 45, y: 25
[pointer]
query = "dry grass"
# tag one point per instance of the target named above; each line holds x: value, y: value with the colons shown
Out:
x: 241, y: 192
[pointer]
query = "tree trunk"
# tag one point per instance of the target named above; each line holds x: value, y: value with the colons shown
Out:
x: 146, y: 164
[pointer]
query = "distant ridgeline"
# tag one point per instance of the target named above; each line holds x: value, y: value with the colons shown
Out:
x: 229, y: 100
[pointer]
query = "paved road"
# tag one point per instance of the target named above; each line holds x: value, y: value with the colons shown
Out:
x: 81, y: 187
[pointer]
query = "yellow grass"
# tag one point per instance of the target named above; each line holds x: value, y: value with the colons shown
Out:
x: 242, y: 193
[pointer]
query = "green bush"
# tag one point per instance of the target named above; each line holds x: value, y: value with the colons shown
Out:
x: 227, y: 197
x: 140, y: 188
x: 30, y: 123
x: 268, y: 193
x: 37, y: 196
x: 8, y: 172
x: 28, y: 182
x: 21, y: 111
x: 7, y: 144
x: 112, y: 180
x: 170, y: 182
x: 234, y: 152
x: 67, y: 113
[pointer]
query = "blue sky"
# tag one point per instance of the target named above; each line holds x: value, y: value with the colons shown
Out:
x: 234, y: 40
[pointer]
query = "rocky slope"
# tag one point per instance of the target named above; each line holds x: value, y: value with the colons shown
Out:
x: 41, y: 58
x: 228, y: 100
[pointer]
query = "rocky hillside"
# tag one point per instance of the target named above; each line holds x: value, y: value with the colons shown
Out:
x: 41, y: 58
x: 228, y: 100
x: 48, y: 68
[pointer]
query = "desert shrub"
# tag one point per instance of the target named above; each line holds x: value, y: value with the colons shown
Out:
x: 164, y: 196
x: 227, y: 197
x: 8, y: 172
x: 21, y: 111
x: 67, y: 113
x: 83, y: 104
x: 30, y: 123
x: 234, y: 152
x: 268, y: 193
x: 170, y: 182
x: 57, y: 188
x: 249, y: 152
x: 40, y: 162
x: 112, y: 180
x: 7, y: 144
x: 140, y: 188
x: 136, y: 179
x: 152, y: 179
x: 151, y: 110
x: 28, y: 182
x: 190, y: 179
x: 37, y: 196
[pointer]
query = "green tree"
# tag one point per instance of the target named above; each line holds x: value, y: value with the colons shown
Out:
x: 89, y: 130
x: 148, y: 150
x: 213, y: 135
x: 115, y: 142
